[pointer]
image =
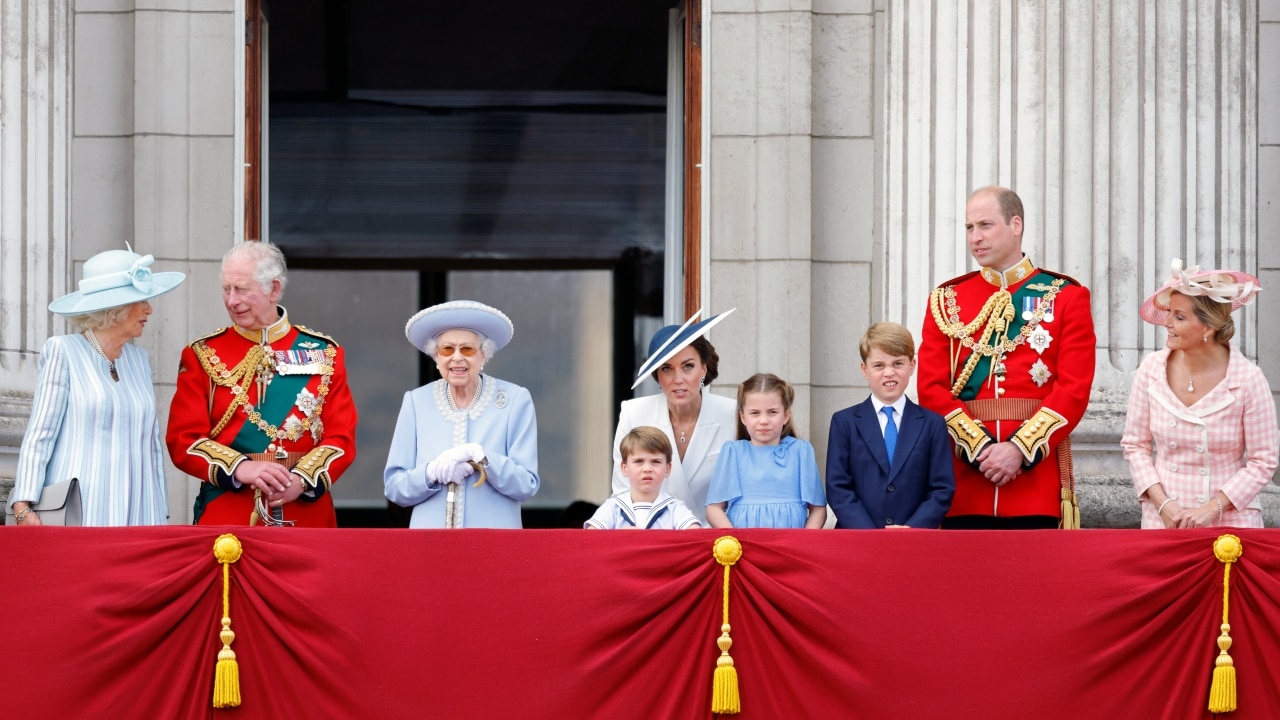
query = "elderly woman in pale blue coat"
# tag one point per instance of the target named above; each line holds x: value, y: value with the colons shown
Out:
x: 93, y: 415
x: 465, y: 449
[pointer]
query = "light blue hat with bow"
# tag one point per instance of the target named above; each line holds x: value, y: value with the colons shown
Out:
x: 114, y: 278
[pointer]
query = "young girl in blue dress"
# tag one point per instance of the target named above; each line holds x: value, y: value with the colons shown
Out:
x: 767, y: 477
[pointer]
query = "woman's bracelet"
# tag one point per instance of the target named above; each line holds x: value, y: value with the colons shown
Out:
x: 22, y: 514
x: 1160, y: 510
x: 1219, y: 501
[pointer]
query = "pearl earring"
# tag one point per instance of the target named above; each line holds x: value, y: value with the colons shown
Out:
x: 1205, y: 338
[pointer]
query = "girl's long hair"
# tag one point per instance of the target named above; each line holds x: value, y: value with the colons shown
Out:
x: 766, y: 383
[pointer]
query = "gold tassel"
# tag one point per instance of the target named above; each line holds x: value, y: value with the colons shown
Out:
x: 226, y: 677
x: 1222, y: 693
x: 1070, y: 510
x: 724, y: 686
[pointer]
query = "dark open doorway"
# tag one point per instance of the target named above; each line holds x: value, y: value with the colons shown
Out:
x: 424, y: 144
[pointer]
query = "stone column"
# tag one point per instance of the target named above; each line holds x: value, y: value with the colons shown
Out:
x: 1268, y: 150
x: 1128, y: 128
x: 34, y: 101
x: 118, y: 125
x: 846, y: 191
x: 759, y: 173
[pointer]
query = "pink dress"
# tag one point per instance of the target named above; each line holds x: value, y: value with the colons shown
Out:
x: 1227, y: 440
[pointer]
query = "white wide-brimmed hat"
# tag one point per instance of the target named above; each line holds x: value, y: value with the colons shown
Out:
x: 673, y: 338
x: 1223, y: 286
x: 113, y: 278
x: 459, y: 315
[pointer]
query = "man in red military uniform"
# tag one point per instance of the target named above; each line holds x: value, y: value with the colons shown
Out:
x: 262, y: 414
x: 1007, y: 357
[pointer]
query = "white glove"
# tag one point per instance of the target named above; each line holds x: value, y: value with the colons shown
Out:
x: 439, y: 470
x: 451, y: 465
x: 475, y: 453
x: 442, y: 469
x: 459, y: 454
x: 461, y: 471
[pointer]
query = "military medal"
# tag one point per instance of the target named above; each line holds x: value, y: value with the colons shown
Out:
x: 1040, y: 339
x: 1032, y: 305
x: 299, y: 362
x: 266, y: 369
x: 1040, y: 373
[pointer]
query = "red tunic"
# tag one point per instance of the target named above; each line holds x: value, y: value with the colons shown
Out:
x: 308, y: 412
x: 1056, y: 380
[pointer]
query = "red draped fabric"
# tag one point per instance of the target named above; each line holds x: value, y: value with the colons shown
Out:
x: 104, y: 623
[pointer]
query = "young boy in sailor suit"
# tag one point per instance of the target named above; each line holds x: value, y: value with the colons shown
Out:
x: 646, y: 463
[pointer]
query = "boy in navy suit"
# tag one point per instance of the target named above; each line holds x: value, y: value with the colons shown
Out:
x: 888, y: 459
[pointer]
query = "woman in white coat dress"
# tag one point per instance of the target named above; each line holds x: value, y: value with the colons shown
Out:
x: 696, y: 421
x: 465, y: 449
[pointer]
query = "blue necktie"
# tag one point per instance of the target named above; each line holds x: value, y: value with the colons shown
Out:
x: 890, y: 432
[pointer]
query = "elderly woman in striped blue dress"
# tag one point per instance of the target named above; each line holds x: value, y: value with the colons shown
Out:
x: 94, y: 412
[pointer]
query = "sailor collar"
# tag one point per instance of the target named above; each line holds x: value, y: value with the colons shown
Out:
x: 273, y: 332
x: 1010, y: 277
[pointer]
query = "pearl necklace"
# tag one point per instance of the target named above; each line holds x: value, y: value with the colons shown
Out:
x: 475, y: 397
x: 93, y: 343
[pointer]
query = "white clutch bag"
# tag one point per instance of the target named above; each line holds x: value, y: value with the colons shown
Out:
x: 59, y: 505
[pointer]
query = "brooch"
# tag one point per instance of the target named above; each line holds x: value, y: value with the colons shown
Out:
x: 501, y: 400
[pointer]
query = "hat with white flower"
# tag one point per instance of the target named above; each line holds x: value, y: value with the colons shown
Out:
x: 1222, y: 286
x: 113, y: 278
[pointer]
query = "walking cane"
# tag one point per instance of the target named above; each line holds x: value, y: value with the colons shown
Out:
x: 453, y: 508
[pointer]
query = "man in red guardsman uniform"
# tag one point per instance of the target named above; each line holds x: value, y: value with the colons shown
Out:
x: 262, y: 414
x: 1007, y: 357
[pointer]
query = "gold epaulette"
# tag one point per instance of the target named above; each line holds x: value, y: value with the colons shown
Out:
x: 967, y: 433
x: 314, y: 466
x: 218, y: 456
x: 322, y: 336
x: 213, y: 334
x: 1033, y: 436
x: 958, y: 279
x: 1063, y: 276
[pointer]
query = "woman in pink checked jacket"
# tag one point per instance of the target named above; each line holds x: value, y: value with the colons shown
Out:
x: 1201, y: 438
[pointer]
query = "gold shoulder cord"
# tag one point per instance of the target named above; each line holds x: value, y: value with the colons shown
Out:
x: 238, y: 380
x: 241, y: 376
x: 999, y: 309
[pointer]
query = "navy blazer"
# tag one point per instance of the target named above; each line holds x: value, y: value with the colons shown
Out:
x: 864, y: 492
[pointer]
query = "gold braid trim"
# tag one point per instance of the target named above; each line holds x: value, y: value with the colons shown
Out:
x: 314, y: 466
x: 999, y: 309
x: 217, y: 455
x: 968, y: 435
x: 241, y: 376
x: 1034, y: 434
x: 238, y: 378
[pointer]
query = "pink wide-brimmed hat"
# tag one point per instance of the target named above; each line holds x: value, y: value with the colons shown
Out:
x: 1224, y: 286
